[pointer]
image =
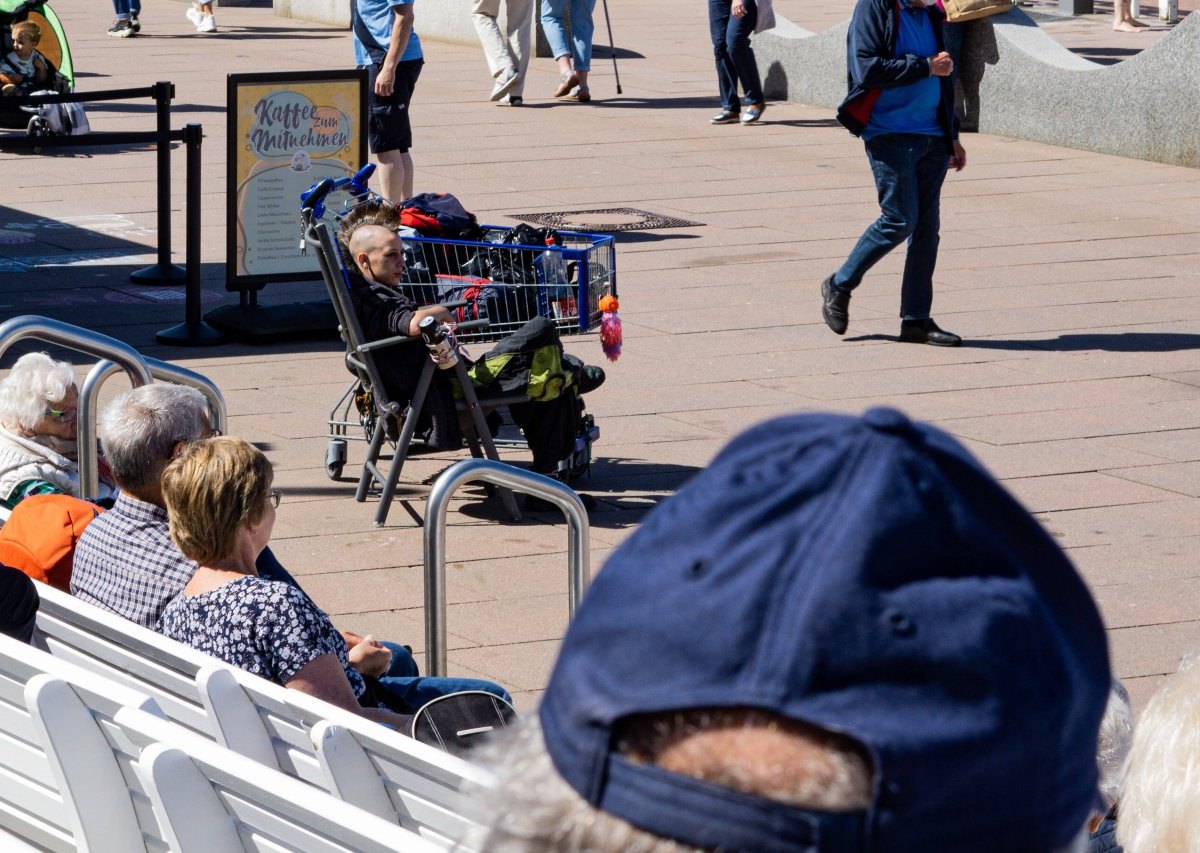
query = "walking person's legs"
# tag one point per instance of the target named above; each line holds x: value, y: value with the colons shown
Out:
x: 496, y: 50
x: 582, y: 28
x: 389, y: 130
x: 718, y: 25
x: 916, y: 289
x: 1123, y: 20
x: 893, y: 158
x: 737, y: 47
x: 395, y: 174
x: 553, y: 12
x: 122, y: 27
x: 520, y: 28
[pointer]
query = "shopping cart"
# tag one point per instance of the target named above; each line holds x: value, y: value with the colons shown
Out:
x: 503, y: 280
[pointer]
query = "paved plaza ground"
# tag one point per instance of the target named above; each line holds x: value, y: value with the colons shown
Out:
x: 1073, y: 277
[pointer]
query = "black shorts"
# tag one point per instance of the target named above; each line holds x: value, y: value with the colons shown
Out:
x: 388, y: 128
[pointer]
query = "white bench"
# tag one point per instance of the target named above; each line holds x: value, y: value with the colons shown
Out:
x: 211, y: 800
x: 382, y: 771
x: 125, y: 652
x: 73, y: 797
x: 388, y: 774
x: 70, y: 737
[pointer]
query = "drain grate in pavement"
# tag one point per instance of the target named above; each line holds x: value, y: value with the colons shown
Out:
x: 606, y: 219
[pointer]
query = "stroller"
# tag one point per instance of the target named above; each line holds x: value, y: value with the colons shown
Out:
x: 53, y: 46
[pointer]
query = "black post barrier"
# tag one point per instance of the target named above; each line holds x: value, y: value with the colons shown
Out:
x: 193, y: 331
x: 163, y: 272
x: 162, y: 93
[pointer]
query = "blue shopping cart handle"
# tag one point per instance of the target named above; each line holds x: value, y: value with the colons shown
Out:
x: 313, y: 198
x: 360, y: 178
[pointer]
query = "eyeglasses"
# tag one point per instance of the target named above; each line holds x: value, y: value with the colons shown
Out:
x: 59, y: 415
x: 274, y: 496
x: 213, y: 433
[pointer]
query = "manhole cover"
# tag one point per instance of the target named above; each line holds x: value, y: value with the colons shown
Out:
x: 605, y: 219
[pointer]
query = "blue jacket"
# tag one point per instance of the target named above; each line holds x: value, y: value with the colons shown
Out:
x: 872, y: 65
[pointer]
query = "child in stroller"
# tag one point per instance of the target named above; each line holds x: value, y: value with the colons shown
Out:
x: 24, y: 69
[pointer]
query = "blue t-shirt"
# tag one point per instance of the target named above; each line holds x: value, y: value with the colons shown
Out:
x: 379, y: 18
x: 912, y: 108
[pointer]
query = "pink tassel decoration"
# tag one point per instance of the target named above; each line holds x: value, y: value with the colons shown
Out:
x: 610, y: 327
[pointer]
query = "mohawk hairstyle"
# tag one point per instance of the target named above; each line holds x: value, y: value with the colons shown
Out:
x: 378, y: 212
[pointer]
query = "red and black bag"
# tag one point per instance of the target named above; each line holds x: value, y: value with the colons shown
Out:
x: 439, y: 215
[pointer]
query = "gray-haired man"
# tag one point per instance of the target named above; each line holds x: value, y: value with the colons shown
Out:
x: 126, y: 563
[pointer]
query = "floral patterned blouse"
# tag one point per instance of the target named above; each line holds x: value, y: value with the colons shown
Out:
x: 269, y: 628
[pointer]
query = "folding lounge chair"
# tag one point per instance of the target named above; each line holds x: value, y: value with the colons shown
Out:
x: 360, y: 358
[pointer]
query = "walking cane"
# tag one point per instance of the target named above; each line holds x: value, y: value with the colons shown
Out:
x: 611, y: 49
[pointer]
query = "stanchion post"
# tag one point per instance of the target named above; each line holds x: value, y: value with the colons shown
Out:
x: 193, y: 332
x: 164, y: 271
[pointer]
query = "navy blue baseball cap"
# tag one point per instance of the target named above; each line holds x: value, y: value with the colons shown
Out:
x: 868, y: 576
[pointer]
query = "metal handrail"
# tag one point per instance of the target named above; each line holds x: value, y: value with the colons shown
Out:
x: 182, y: 376
x: 89, y: 484
x: 90, y: 343
x: 518, y: 480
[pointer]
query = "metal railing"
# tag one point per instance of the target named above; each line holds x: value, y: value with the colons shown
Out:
x: 518, y: 480
x: 114, y: 356
x: 89, y: 343
x: 89, y: 482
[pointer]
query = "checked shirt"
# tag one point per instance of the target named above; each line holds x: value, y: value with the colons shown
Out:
x: 126, y: 563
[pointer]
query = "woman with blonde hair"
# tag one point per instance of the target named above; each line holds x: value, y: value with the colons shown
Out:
x: 39, y: 405
x: 222, y: 510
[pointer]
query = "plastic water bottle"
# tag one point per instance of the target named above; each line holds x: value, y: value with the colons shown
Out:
x: 437, y: 343
x: 555, y: 294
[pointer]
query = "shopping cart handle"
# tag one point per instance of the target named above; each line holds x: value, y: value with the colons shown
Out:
x: 311, y: 198
x: 361, y: 177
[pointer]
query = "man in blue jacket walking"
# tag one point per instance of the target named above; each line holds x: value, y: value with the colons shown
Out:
x: 901, y: 102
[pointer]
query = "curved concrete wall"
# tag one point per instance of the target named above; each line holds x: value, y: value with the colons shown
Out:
x: 441, y: 20
x: 1017, y: 81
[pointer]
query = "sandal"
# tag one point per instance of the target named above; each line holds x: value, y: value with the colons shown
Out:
x: 753, y: 113
x: 725, y: 117
x: 566, y: 83
x: 583, y: 94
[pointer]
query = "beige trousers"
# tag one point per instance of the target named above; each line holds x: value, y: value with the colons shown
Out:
x: 508, y: 48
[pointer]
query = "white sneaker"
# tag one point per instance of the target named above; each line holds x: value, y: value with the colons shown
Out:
x: 505, y: 84
x: 194, y: 15
x: 207, y: 25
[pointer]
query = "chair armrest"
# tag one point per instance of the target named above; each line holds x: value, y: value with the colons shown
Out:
x: 383, y: 343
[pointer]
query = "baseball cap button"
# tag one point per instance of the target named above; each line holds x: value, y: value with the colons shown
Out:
x: 887, y: 420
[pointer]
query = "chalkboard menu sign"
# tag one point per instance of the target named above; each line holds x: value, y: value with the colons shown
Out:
x: 287, y: 131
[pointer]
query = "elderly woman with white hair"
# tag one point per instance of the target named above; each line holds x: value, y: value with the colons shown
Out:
x: 1160, y: 800
x: 38, y: 430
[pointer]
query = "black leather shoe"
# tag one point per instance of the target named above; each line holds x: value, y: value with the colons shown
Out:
x: 836, y: 307
x: 927, y: 332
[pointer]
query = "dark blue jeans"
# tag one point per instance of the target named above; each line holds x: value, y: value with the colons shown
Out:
x: 126, y: 8
x: 404, y: 680
x: 909, y: 170
x: 735, y: 59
